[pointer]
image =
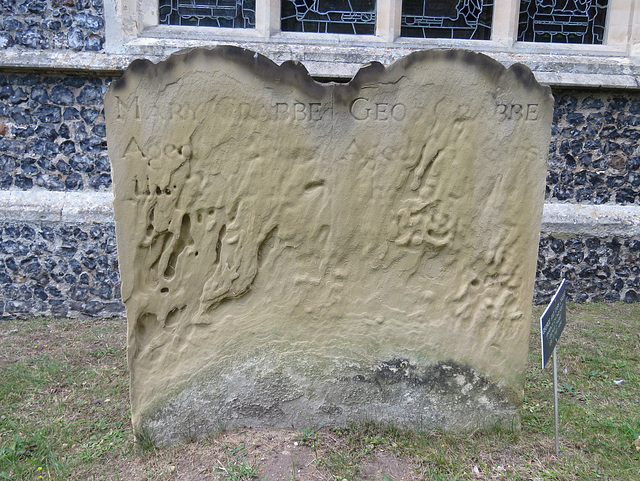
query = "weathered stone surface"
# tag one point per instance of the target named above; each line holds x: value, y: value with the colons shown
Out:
x: 313, y: 254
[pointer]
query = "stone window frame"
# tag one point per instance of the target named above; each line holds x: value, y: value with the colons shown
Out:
x: 131, y: 28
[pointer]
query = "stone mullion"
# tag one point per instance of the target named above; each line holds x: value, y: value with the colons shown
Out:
x: 504, y: 28
x: 634, y: 41
x: 388, y: 16
x: 268, y: 17
x: 623, y: 20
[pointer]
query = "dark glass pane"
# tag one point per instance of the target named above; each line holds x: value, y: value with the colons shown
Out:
x: 208, y: 13
x: 329, y: 16
x: 466, y: 19
x: 562, y: 21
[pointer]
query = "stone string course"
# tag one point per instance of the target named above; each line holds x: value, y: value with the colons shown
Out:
x: 76, y: 25
x: 52, y: 138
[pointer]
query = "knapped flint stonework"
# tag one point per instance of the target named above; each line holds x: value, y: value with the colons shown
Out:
x: 52, y: 138
x: 52, y: 133
x: 57, y: 269
x: 314, y: 254
x: 594, y: 156
x: 52, y: 25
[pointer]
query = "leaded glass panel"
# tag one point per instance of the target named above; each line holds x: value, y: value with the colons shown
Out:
x: 329, y: 16
x: 208, y: 13
x: 562, y: 21
x: 467, y: 19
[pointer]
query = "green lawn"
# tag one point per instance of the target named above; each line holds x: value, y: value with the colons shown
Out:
x: 64, y: 415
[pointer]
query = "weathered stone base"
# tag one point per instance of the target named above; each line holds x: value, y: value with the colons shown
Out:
x: 265, y: 391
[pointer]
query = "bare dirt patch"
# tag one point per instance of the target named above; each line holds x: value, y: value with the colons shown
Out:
x: 271, y: 453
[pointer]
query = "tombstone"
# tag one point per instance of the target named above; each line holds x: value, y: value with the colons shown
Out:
x: 302, y: 254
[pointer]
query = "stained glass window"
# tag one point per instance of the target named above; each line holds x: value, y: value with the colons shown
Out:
x: 208, y: 13
x: 467, y: 19
x: 562, y: 21
x: 329, y: 16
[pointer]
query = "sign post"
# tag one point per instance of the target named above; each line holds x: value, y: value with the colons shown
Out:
x: 552, y: 323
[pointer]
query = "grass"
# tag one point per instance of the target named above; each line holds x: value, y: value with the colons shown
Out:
x: 64, y: 415
x: 63, y: 396
x: 236, y: 467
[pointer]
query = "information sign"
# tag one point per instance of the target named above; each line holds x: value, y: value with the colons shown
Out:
x: 552, y: 322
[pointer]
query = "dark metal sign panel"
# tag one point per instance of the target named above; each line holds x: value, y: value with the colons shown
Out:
x: 552, y: 322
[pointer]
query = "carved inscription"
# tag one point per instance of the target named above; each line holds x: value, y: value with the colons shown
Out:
x: 365, y: 109
x: 185, y: 112
x: 299, y: 111
x: 359, y: 109
x: 527, y: 112
x: 121, y: 107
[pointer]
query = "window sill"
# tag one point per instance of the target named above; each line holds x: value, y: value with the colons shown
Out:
x: 580, y: 67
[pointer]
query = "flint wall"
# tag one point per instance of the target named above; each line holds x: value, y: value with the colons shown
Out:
x: 57, y: 242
